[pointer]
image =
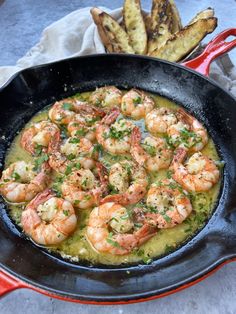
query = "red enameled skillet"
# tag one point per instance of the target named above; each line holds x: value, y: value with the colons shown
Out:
x: 24, y: 265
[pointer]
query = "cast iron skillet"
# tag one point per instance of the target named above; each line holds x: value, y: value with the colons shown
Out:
x: 25, y: 265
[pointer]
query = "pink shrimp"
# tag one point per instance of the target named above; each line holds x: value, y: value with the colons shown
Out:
x: 114, y: 137
x: 199, y: 174
x: 155, y: 153
x: 82, y: 188
x: 39, y: 135
x: 47, y: 219
x: 20, y: 182
x: 129, y: 180
x: 123, y: 238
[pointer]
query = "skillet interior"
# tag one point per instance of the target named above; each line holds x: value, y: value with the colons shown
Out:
x: 34, y: 88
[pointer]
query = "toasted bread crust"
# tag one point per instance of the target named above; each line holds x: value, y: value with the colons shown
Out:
x: 113, y: 36
x: 160, y: 24
x: 135, y: 26
x: 182, y: 42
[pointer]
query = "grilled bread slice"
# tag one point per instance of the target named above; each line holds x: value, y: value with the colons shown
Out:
x: 113, y: 36
x: 184, y: 41
x: 209, y: 12
x: 135, y: 26
x: 176, y: 20
x: 160, y: 24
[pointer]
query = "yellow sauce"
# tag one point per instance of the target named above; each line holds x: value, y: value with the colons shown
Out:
x: 76, y: 247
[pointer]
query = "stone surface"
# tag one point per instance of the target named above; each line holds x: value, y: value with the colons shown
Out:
x: 21, y: 23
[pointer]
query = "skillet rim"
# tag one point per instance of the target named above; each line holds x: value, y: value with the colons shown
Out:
x: 134, y: 296
x: 178, y: 65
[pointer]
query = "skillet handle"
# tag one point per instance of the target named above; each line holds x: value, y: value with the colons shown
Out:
x: 8, y: 283
x: 216, y: 47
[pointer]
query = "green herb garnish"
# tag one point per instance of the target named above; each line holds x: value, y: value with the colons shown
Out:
x: 16, y: 176
x: 68, y: 170
x: 74, y: 140
x: 67, y: 106
x: 71, y: 156
x: 38, y: 149
x: 111, y: 241
x: 39, y: 161
x: 137, y: 100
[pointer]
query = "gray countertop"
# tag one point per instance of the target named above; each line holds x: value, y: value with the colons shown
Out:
x: 21, y: 23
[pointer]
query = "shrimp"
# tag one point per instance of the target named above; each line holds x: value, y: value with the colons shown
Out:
x: 199, y: 174
x: 84, y: 124
x: 159, y: 120
x: 67, y: 110
x: 111, y: 230
x: 179, y: 135
x: 136, y: 104
x: 20, y: 183
x: 169, y: 205
x: 198, y: 137
x: 37, y: 137
x: 63, y: 111
x: 115, y: 139
x: 155, y: 153
x: 82, y: 189
x: 47, y: 219
x: 187, y: 133
x: 79, y: 130
x: 73, y: 149
x: 129, y: 181
x: 106, y: 97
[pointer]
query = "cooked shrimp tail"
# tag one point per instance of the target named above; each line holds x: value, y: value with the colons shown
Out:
x: 103, y: 176
x: 111, y: 116
x: 129, y: 242
x: 137, y: 152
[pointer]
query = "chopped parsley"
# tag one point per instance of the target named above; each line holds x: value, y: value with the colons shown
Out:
x: 117, y: 134
x: 145, y: 258
x: 151, y: 150
x: 71, y: 156
x: 74, y: 140
x: 87, y: 197
x: 39, y: 161
x: 78, y: 165
x: 97, y: 148
x: 38, y: 149
x: 68, y: 170
x: 166, y: 218
x: 169, y: 248
x: 84, y: 183
x: 111, y: 241
x: 124, y: 217
x: 112, y: 189
x: 137, y: 100
x: 16, y: 176
x: 81, y: 132
x: 67, y: 106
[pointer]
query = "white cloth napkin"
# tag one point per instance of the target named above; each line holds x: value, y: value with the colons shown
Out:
x: 76, y: 35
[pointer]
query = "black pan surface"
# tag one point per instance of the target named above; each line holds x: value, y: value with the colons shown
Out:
x: 32, y: 89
